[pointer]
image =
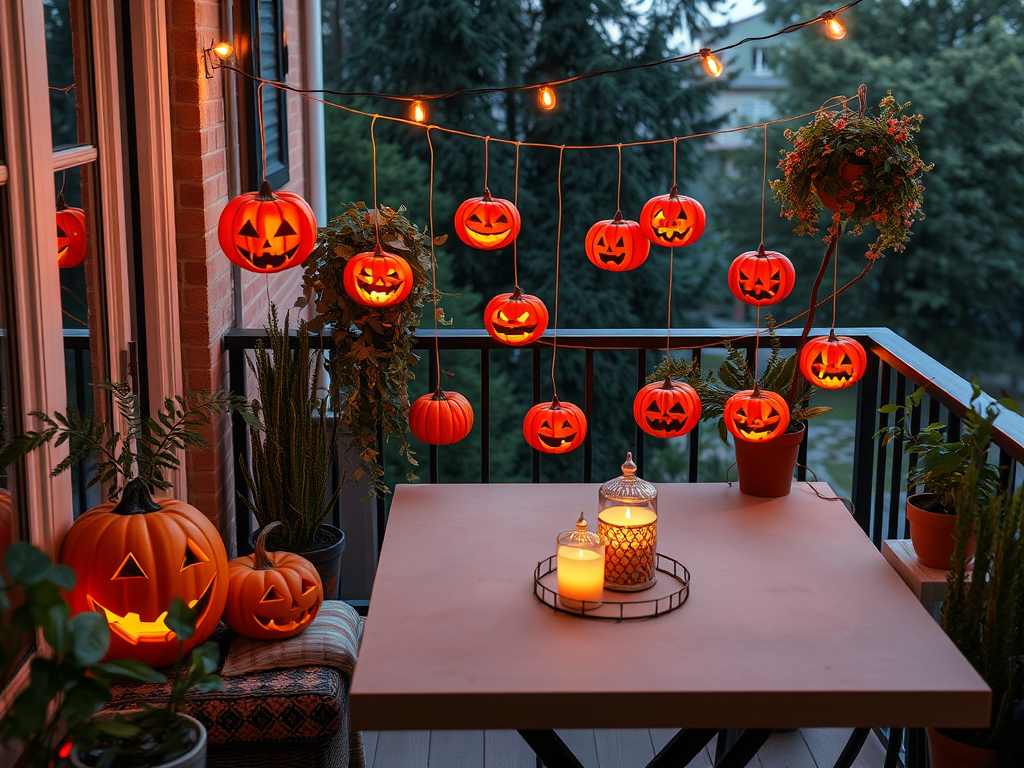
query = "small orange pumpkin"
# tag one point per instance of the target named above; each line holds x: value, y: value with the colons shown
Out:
x: 515, y: 318
x: 667, y: 408
x: 378, y: 278
x: 761, y: 277
x: 672, y: 219
x: 272, y: 595
x: 555, y: 427
x: 441, y: 418
x: 71, y: 240
x: 617, y: 245
x: 487, y: 223
x: 833, y: 362
x: 267, y: 231
x: 756, y: 415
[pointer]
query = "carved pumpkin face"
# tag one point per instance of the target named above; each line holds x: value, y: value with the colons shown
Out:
x: 71, y: 240
x: 761, y: 277
x: 555, y: 427
x: 617, y: 245
x: 756, y: 415
x: 441, y: 418
x: 672, y: 219
x: 130, y: 565
x: 378, y: 278
x: 667, y: 408
x: 515, y: 318
x: 833, y: 362
x: 267, y: 232
x: 487, y: 222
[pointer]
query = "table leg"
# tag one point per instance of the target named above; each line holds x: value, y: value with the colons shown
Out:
x: 892, y: 750
x: 550, y: 749
x: 683, y: 747
x: 853, y: 747
x: 744, y: 748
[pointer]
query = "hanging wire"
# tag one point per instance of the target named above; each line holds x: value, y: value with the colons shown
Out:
x: 263, y: 135
x: 515, y: 202
x: 757, y: 344
x: 675, y: 147
x: 376, y: 210
x: 764, y: 179
x: 835, y: 281
x: 668, y: 329
x: 433, y: 258
x: 487, y: 161
x: 558, y: 263
x: 618, y: 189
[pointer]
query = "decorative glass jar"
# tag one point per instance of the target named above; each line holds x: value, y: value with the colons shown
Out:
x: 627, y: 521
x: 580, y: 567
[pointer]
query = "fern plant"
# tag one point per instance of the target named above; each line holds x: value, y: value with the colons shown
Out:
x: 291, y: 456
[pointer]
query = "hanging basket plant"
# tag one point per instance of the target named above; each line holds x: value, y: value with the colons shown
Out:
x: 863, y: 168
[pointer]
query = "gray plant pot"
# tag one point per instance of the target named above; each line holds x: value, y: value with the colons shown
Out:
x: 327, y: 561
x: 194, y: 758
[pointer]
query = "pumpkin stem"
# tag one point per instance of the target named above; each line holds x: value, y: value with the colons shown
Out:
x: 618, y: 218
x: 674, y: 192
x: 439, y: 394
x: 555, y: 405
x: 487, y: 195
x: 668, y: 383
x: 517, y: 295
x: 61, y: 205
x: 760, y: 252
x: 261, y: 560
x: 266, y: 192
x: 756, y: 392
x: 136, y: 498
x: 832, y: 336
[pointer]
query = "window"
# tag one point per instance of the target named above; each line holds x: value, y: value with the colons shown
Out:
x: 760, y: 62
x: 267, y: 57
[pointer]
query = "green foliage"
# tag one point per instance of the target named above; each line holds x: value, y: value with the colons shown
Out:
x: 291, y: 454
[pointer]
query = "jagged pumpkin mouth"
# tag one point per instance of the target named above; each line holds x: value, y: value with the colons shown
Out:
x: 267, y: 260
x: 665, y: 425
x: 611, y: 258
x: 672, y: 233
x: 277, y: 625
x: 514, y: 331
x: 134, y: 630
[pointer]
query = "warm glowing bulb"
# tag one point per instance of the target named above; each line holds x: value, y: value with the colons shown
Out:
x: 833, y: 26
x: 711, y: 63
x: 419, y: 112
x: 546, y: 98
x: 223, y: 50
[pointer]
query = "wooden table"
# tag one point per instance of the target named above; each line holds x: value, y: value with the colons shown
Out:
x: 929, y: 585
x: 793, y: 620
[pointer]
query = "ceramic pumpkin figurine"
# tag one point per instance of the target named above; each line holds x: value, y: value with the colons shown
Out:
x: 441, y: 418
x: 555, y: 427
x: 70, y: 235
x: 487, y: 223
x: 132, y: 557
x: 272, y: 595
x: 667, y: 408
x: 761, y: 277
x: 756, y: 415
x: 267, y: 231
x: 515, y: 318
x: 672, y: 219
x: 616, y: 244
x: 833, y: 362
x: 378, y: 278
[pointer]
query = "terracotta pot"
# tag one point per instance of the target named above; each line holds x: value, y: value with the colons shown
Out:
x: 932, y: 533
x: 848, y: 173
x: 766, y: 469
x: 950, y: 753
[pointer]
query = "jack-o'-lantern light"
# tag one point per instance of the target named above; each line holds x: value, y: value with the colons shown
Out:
x: 487, y: 223
x: 761, y: 277
x: 71, y: 240
x: 555, y: 427
x: 441, y: 418
x: 133, y: 557
x: 617, y: 244
x: 672, y: 219
x: 272, y: 595
x: 515, y: 318
x: 756, y: 415
x: 378, y: 278
x: 833, y: 362
x: 267, y: 231
x: 667, y: 408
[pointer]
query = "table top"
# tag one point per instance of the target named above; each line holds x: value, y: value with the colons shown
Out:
x: 794, y: 620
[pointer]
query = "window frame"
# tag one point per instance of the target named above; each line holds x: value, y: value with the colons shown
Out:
x: 250, y: 60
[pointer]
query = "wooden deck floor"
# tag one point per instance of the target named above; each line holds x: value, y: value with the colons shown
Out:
x: 806, y: 748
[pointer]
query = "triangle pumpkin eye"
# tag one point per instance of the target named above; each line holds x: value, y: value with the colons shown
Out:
x: 61, y: 232
x: 474, y: 217
x: 193, y: 555
x: 248, y: 230
x: 677, y: 408
x: 285, y: 229
x: 130, y: 569
x: 619, y: 244
x: 653, y: 408
x: 600, y: 241
x: 502, y: 219
x: 308, y: 586
x: 272, y: 595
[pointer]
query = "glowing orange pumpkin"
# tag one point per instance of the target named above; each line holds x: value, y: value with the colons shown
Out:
x: 761, y: 277
x: 515, y: 318
x: 133, y: 557
x: 378, y: 278
x: 616, y: 244
x: 555, y: 427
x: 71, y: 240
x: 441, y: 418
x: 672, y: 219
x: 833, y: 362
x: 667, y: 408
x: 487, y: 222
x: 756, y: 415
x: 267, y: 231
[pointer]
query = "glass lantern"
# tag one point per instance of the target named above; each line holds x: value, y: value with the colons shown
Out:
x: 627, y: 520
x: 580, y: 567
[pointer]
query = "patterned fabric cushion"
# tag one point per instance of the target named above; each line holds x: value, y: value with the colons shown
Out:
x: 331, y: 640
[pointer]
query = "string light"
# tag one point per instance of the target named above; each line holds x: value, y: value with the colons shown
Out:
x: 833, y: 26
x: 546, y: 98
x: 418, y: 112
x: 223, y: 50
x: 711, y: 63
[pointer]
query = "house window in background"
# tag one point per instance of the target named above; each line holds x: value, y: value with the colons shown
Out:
x: 760, y: 61
x: 268, y: 59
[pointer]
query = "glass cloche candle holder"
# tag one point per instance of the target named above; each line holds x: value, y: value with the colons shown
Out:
x: 627, y: 520
x: 580, y: 567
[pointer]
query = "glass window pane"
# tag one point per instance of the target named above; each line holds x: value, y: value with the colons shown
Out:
x: 69, y: 73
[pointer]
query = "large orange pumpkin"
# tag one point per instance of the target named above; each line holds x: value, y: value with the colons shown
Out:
x: 441, y: 418
x: 272, y: 595
x: 761, y: 277
x: 672, y: 219
x: 487, y: 222
x: 71, y: 240
x: 833, y: 362
x: 667, y: 408
x: 756, y: 415
x: 617, y: 244
x: 267, y: 231
x: 131, y: 558
x: 378, y: 278
x: 555, y: 427
x: 515, y: 318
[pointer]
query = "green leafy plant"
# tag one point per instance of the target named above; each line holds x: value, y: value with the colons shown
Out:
x: 291, y: 455
x: 372, y: 360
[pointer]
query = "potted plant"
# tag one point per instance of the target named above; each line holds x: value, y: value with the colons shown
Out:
x: 292, y: 452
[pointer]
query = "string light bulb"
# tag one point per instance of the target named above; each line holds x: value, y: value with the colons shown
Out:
x: 223, y: 50
x: 546, y: 98
x: 833, y: 26
x: 711, y: 63
x: 419, y: 112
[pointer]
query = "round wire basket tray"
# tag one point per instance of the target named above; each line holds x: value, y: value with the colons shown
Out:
x: 664, y: 597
